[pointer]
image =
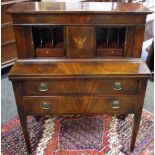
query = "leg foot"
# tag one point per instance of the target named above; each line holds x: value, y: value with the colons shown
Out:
x: 137, y: 118
x: 23, y: 121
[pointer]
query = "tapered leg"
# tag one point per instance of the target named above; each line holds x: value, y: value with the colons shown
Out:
x: 23, y: 121
x: 18, y: 90
x: 138, y: 113
x: 137, y: 118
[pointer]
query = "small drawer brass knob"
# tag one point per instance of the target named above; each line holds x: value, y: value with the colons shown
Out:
x: 43, y: 87
x: 117, y: 86
x: 116, y: 104
x: 45, y: 106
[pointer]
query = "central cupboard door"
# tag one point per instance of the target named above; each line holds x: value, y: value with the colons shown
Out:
x: 80, y: 41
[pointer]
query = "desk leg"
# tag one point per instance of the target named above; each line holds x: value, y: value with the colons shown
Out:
x: 138, y: 111
x: 137, y: 118
x: 18, y: 90
x: 23, y: 121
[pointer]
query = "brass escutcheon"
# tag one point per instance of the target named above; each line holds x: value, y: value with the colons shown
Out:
x: 43, y: 87
x: 115, y: 104
x: 45, y: 106
x: 117, y: 86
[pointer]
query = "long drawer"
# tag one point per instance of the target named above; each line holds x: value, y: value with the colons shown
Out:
x: 70, y: 86
x: 40, y: 105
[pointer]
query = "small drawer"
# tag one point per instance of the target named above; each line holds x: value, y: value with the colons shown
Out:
x: 115, y: 86
x: 7, y: 34
x: 109, y: 52
x: 47, y: 52
x: 40, y: 105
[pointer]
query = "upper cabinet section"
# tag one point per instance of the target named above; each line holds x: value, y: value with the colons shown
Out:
x: 78, y: 30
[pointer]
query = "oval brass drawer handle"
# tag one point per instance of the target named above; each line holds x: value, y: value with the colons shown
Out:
x: 116, y: 104
x: 43, y: 87
x: 117, y: 86
x: 45, y: 106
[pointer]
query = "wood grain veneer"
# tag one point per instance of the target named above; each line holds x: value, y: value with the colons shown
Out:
x: 82, y: 59
x: 79, y: 68
x: 81, y: 86
x: 78, y: 105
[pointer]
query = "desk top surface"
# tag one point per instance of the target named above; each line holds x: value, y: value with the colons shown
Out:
x: 78, y: 7
x: 79, y: 68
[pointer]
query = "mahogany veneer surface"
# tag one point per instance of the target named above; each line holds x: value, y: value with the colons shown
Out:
x: 79, y: 86
x: 78, y: 105
x: 96, y: 70
x: 77, y: 68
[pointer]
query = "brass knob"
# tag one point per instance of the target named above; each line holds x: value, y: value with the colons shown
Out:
x: 116, y: 104
x: 43, y: 86
x: 117, y: 86
x: 45, y: 106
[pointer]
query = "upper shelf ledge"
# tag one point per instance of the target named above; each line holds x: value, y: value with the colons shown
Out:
x: 78, y: 7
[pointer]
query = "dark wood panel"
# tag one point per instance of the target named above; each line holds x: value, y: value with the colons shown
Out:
x: 138, y: 41
x: 130, y: 32
x: 77, y: 105
x: 21, y: 41
x: 8, y: 54
x: 5, y: 17
x: 80, y: 41
x: 114, y: 86
x: 7, y: 34
x: 28, y: 39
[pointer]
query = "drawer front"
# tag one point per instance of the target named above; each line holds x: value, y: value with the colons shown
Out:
x: 78, y: 105
x: 7, y: 34
x: 8, y: 53
x: 115, y: 86
x: 6, y: 17
x: 80, y: 41
x: 110, y: 52
x: 56, y: 52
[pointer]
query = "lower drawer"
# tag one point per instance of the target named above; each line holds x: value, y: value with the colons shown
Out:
x: 39, y: 105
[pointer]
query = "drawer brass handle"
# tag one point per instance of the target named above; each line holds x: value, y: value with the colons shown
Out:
x: 45, y: 106
x: 116, y: 104
x: 117, y: 86
x: 43, y: 87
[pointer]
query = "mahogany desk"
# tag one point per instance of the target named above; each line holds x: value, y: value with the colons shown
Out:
x: 79, y: 58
